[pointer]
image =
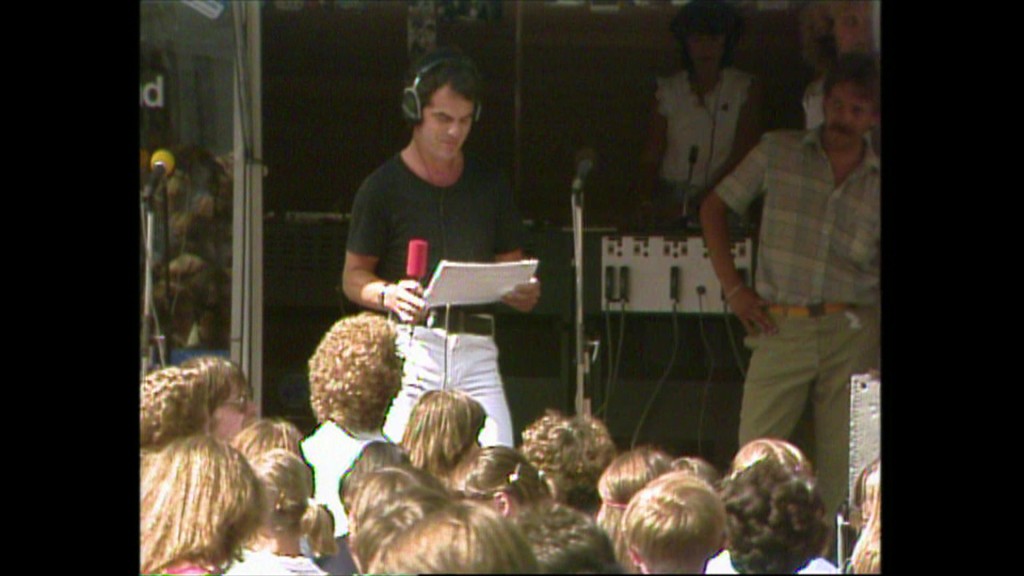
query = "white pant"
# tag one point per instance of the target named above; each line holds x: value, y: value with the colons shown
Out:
x: 471, y: 364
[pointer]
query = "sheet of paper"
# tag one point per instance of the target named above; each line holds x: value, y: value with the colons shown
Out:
x: 465, y: 283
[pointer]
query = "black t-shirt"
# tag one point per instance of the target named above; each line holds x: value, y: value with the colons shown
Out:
x: 469, y: 221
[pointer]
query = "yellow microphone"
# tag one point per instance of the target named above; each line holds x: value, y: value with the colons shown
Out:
x: 161, y: 165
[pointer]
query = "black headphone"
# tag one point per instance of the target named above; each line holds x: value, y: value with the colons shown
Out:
x: 412, y: 107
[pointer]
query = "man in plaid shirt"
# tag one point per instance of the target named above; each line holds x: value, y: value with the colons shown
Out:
x: 812, y: 317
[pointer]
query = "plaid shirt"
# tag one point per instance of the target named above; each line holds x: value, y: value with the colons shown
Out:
x: 818, y: 243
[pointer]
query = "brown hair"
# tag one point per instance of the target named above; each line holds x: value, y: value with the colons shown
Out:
x: 773, y: 449
x: 355, y: 372
x: 572, y: 453
x: 391, y: 517
x: 443, y: 429
x: 500, y: 469
x: 288, y: 486
x: 627, y: 474
x: 267, y: 434
x: 464, y: 536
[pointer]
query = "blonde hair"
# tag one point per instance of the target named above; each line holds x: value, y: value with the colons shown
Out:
x: 222, y: 378
x: 355, y: 373
x: 627, y: 474
x: 443, y: 429
x: 867, y: 553
x: 500, y: 469
x: 173, y: 403
x: 780, y: 451
x: 267, y: 434
x: 288, y: 487
x: 572, y: 453
x: 199, y: 502
x: 465, y: 537
x: 675, y: 523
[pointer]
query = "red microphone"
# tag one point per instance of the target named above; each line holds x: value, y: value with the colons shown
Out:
x: 416, y: 261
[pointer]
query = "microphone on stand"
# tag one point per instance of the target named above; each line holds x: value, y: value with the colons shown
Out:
x: 584, y: 164
x: 694, y: 152
x: 161, y: 165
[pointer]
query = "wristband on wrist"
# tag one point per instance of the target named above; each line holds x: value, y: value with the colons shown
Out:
x: 383, y: 294
x: 732, y: 291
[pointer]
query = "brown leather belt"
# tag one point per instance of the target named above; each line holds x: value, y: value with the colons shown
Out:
x: 462, y: 322
x: 812, y: 311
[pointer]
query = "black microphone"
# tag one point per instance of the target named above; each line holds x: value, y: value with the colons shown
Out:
x: 161, y: 165
x: 584, y: 164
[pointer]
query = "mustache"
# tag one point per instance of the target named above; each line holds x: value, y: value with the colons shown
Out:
x: 840, y: 128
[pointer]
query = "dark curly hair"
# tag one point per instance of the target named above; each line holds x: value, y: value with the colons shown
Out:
x: 775, y: 519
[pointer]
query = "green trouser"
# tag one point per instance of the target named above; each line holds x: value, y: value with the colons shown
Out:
x: 811, y: 357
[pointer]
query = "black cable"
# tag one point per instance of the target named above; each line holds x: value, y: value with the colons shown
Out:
x: 664, y: 376
x: 711, y: 370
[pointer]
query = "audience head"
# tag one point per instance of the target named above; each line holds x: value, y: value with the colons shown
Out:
x: 230, y: 394
x: 774, y: 449
x: 367, y: 492
x: 861, y: 72
x: 288, y: 489
x: 443, y: 429
x: 833, y: 28
x: 355, y: 373
x: 627, y: 474
x: 775, y: 519
x: 573, y: 453
x: 867, y: 553
x: 502, y: 476
x: 705, y: 29
x: 173, y: 403
x: 699, y: 467
x: 390, y: 518
x: 206, y: 395
x: 267, y: 434
x: 674, y: 525
x: 464, y: 537
x: 199, y: 502
x: 567, y: 541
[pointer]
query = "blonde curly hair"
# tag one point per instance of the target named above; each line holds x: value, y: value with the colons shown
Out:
x: 355, y: 373
x: 173, y: 403
x: 572, y: 452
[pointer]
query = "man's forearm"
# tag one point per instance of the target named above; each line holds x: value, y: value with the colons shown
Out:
x: 713, y: 212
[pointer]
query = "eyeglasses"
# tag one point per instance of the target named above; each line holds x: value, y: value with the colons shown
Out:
x: 241, y: 402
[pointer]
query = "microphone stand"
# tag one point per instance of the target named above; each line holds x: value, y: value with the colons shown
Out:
x: 582, y: 406
x: 148, y: 313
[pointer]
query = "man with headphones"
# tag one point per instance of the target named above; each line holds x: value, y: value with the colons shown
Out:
x: 463, y: 207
